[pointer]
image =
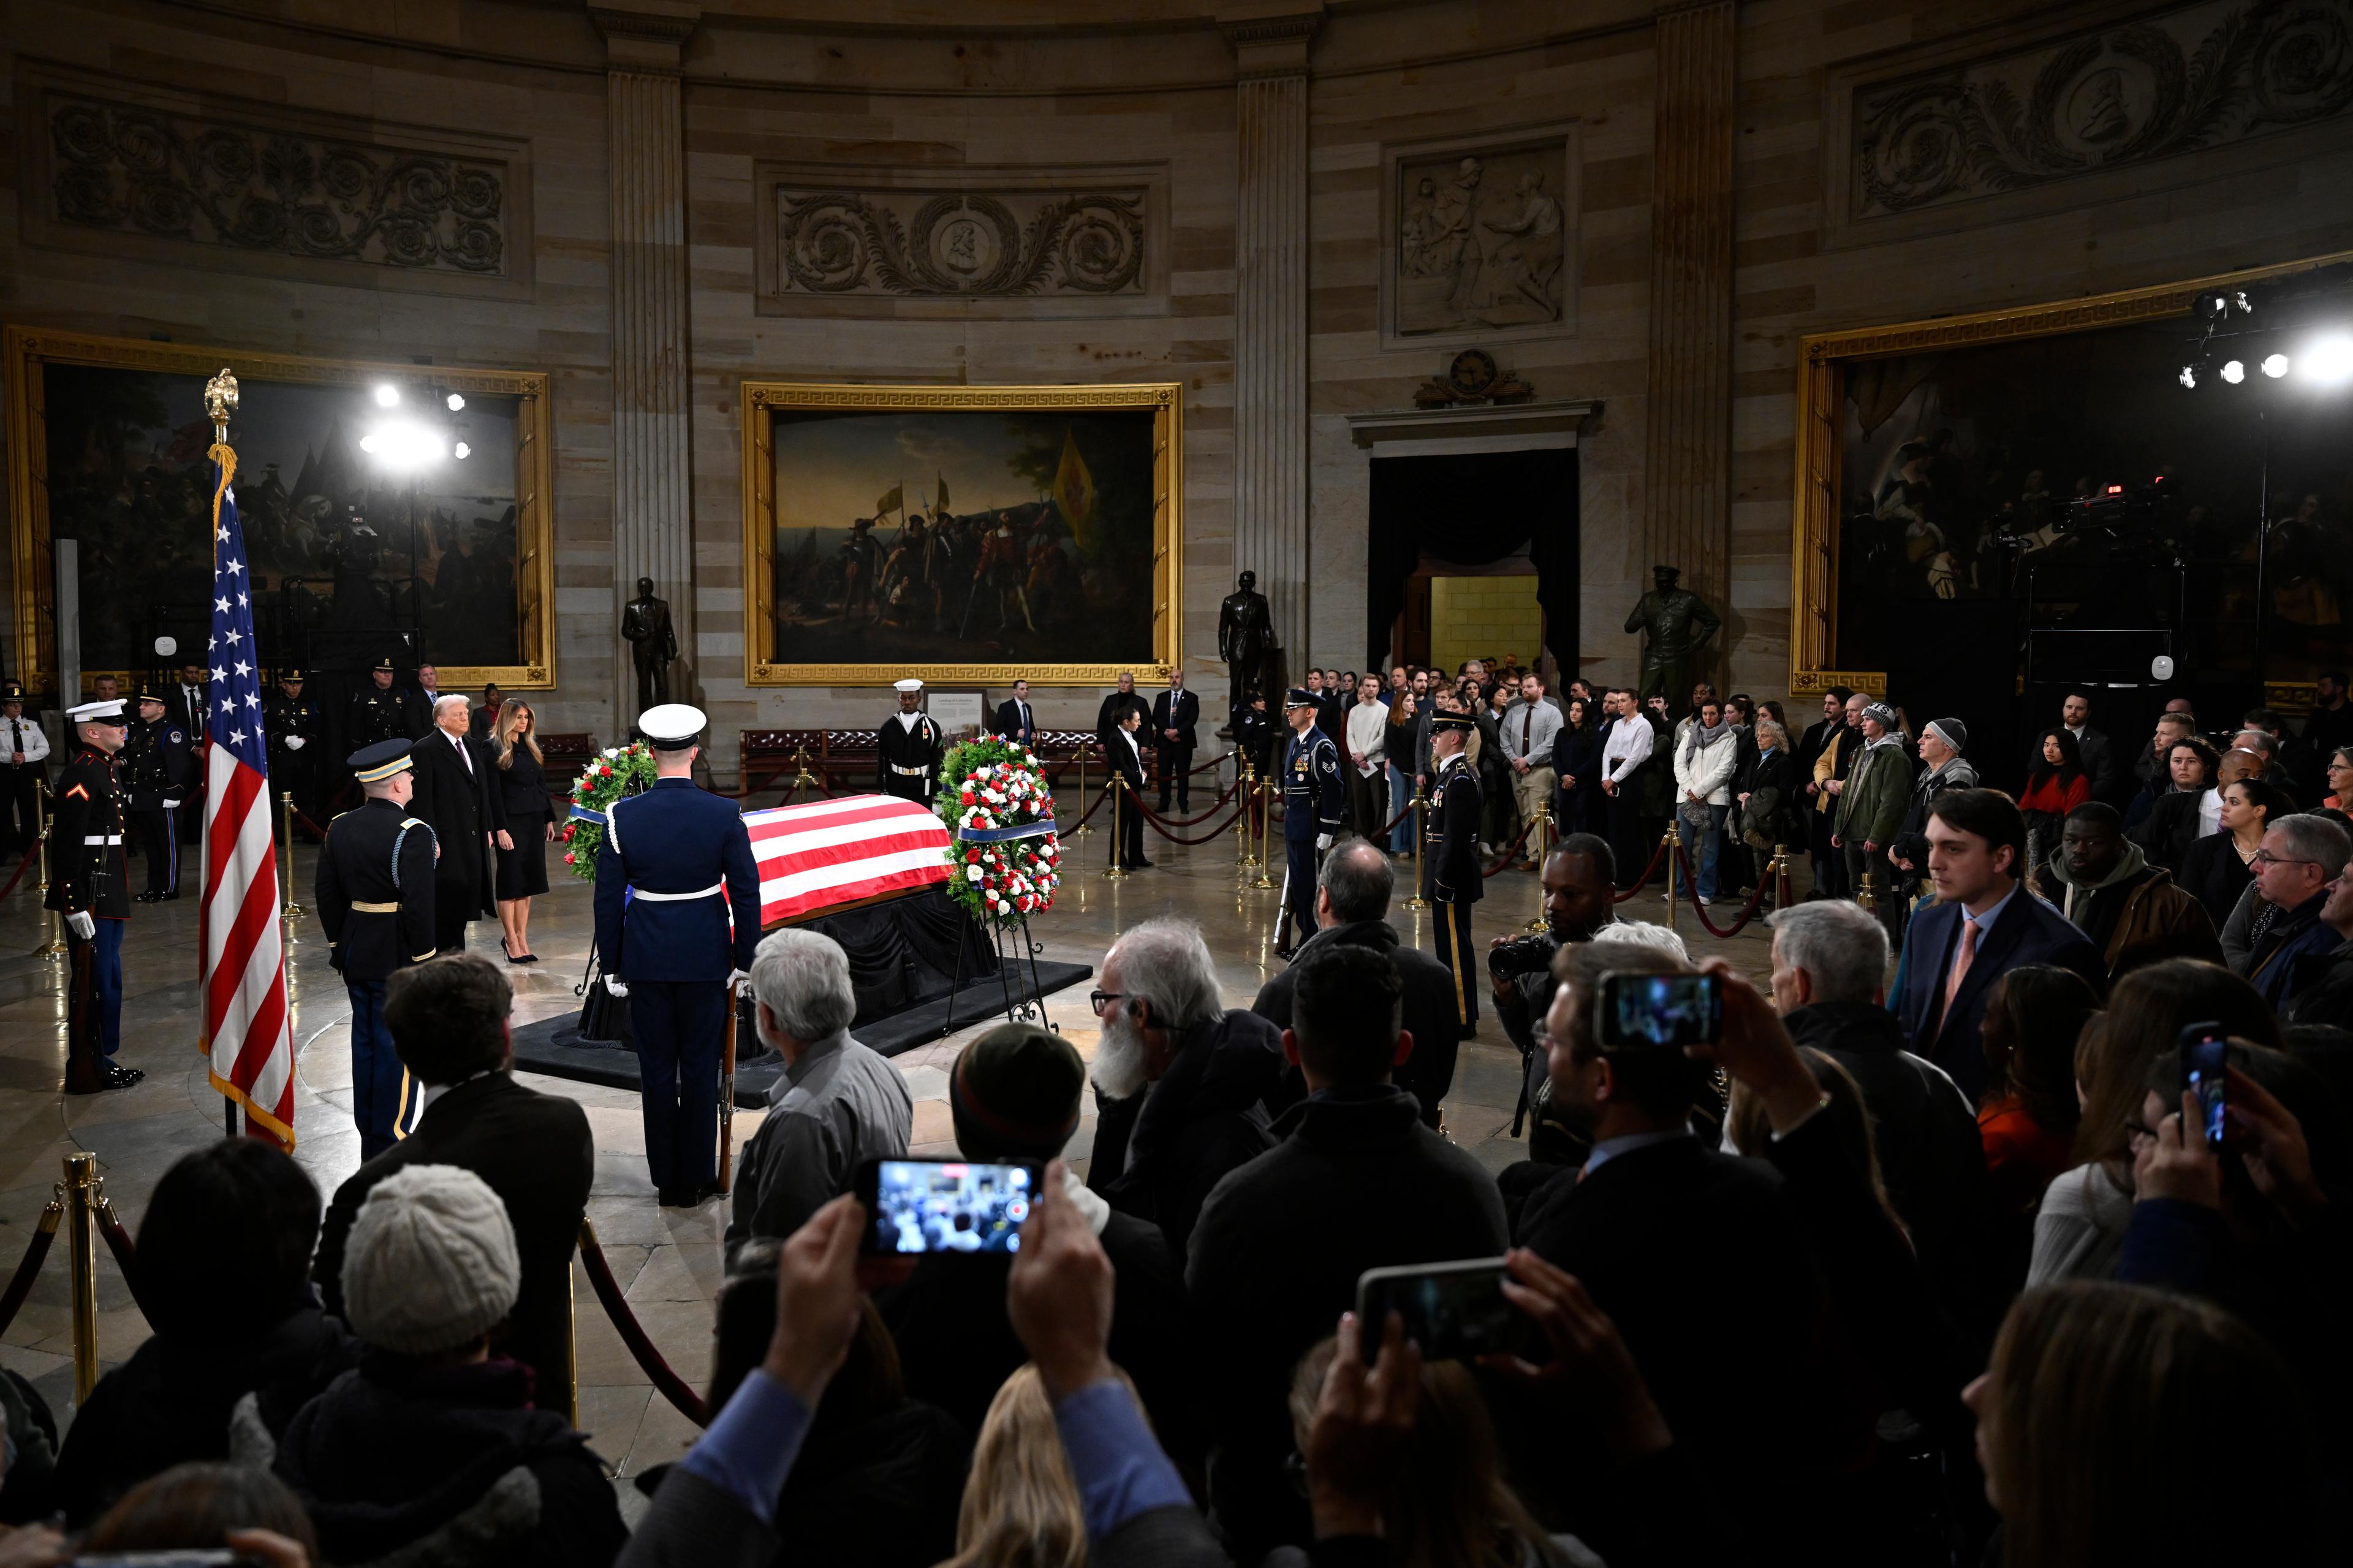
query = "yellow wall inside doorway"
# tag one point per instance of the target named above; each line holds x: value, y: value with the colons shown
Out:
x: 1483, y: 617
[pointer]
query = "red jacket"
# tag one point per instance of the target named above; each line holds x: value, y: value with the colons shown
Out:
x: 2045, y: 794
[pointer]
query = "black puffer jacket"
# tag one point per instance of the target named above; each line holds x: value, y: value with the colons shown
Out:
x: 1431, y: 1016
x: 451, y: 1463
x: 1159, y: 1152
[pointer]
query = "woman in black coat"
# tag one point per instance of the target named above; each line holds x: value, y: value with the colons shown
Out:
x: 1576, y: 767
x: 531, y: 826
x: 2171, y: 826
x: 2217, y: 869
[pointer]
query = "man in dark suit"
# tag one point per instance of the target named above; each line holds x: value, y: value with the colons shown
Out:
x: 1173, y: 713
x: 1124, y: 746
x: 1016, y: 720
x: 1115, y: 706
x: 456, y: 797
x: 449, y: 1020
x: 417, y: 705
x: 1983, y: 924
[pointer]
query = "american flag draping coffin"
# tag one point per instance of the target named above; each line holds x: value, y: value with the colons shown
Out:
x: 824, y: 852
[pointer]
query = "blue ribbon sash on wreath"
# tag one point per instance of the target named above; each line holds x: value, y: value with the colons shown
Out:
x: 1003, y: 834
x: 587, y: 813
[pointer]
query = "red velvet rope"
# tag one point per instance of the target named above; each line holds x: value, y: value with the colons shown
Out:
x: 1644, y: 879
x: 1512, y: 851
x: 125, y: 1250
x: 1154, y: 819
x: 649, y: 1360
x: 28, y: 1267
x: 1691, y: 891
x: 28, y: 861
x: 1215, y: 806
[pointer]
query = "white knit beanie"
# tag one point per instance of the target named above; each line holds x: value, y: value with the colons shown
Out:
x: 431, y: 1265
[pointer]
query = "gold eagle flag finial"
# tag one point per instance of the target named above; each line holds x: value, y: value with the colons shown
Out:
x: 220, y: 402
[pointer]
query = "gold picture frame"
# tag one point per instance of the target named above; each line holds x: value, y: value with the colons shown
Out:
x: 762, y: 400
x: 1822, y: 359
x: 28, y: 351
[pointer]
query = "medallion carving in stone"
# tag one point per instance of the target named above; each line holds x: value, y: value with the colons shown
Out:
x: 2179, y: 80
x: 1482, y: 238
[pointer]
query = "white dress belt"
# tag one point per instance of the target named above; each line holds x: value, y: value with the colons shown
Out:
x: 712, y: 892
x: 911, y: 772
x: 101, y: 838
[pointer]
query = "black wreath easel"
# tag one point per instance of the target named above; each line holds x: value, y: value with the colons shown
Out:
x: 1025, y: 998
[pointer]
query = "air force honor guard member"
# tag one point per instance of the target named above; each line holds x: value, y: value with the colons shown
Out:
x: 1451, y: 879
x: 907, y: 749
x: 375, y: 899
x: 89, y: 884
x: 159, y: 771
x: 1313, y: 799
x: 670, y: 942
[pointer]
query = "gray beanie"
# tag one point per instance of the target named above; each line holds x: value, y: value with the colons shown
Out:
x: 431, y: 1265
x: 1952, y: 731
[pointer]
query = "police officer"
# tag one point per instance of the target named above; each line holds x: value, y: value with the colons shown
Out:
x: 24, y: 758
x: 296, y: 728
x: 158, y: 769
x: 1450, y: 875
x: 89, y: 885
x: 375, y: 714
x: 375, y: 899
x: 675, y: 948
x: 908, y: 749
x: 1312, y: 798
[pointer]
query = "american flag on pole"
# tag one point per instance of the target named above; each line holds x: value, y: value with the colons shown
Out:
x: 247, y: 1031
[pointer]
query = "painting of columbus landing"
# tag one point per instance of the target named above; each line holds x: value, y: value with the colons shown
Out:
x: 961, y: 539
x: 339, y: 540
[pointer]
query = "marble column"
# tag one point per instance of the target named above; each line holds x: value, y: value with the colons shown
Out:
x: 1687, y: 460
x: 1270, y: 315
x: 653, y: 515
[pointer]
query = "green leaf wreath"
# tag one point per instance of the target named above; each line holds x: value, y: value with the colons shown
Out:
x: 613, y: 773
x: 991, y: 786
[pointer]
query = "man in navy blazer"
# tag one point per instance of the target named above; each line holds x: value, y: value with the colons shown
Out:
x: 1983, y: 924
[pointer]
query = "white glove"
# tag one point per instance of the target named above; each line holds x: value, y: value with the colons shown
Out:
x: 1323, y: 842
x: 81, y: 925
x: 295, y: 743
x: 613, y: 985
x: 171, y: 805
x: 737, y: 980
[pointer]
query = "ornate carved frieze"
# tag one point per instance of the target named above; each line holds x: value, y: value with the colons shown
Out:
x: 1025, y: 240
x: 123, y: 167
x: 1480, y: 237
x: 2180, y: 80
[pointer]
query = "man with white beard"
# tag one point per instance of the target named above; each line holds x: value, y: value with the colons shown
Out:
x: 1181, y: 1082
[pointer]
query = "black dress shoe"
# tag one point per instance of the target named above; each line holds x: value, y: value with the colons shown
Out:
x: 112, y: 1077
x: 167, y: 898
x: 1140, y: 865
x: 145, y: 897
x: 709, y: 1189
x: 667, y: 1198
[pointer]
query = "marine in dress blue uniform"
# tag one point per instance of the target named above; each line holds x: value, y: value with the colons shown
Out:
x: 677, y: 914
x: 89, y: 885
x: 375, y: 899
x: 1313, y: 799
x: 1451, y: 879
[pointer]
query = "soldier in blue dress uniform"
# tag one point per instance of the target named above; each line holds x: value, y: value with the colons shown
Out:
x: 677, y: 914
x: 1313, y: 799
x: 1451, y: 879
x: 89, y: 886
x: 375, y: 899
x: 158, y: 770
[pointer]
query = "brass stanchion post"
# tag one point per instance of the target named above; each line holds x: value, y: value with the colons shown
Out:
x: 1246, y: 792
x: 1420, y: 828
x: 82, y: 1173
x: 1780, y: 872
x: 1866, y: 893
x: 293, y: 910
x: 1674, y: 842
x: 1538, y: 921
x: 1115, y: 786
x: 1081, y: 830
x: 52, y: 921
x: 1265, y: 837
x: 802, y: 777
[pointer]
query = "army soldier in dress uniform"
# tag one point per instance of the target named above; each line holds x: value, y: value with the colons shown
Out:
x: 295, y: 727
x: 24, y: 758
x: 1313, y: 799
x: 907, y: 749
x: 376, y: 712
x: 89, y: 884
x: 158, y: 769
x: 675, y: 947
x: 1451, y: 876
x: 375, y: 899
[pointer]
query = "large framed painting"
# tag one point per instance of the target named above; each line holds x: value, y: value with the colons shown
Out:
x: 397, y: 509
x: 966, y: 534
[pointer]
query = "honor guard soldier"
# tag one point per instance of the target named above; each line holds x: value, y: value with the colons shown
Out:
x: 1451, y: 879
x: 907, y: 749
x: 89, y: 886
x: 24, y: 758
x: 677, y: 914
x: 158, y: 769
x: 376, y: 711
x: 375, y: 899
x: 296, y: 730
x: 1312, y: 798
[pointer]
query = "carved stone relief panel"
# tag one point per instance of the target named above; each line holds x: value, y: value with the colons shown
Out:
x: 1480, y: 237
x: 1079, y: 241
x: 2186, y: 78
x: 120, y: 167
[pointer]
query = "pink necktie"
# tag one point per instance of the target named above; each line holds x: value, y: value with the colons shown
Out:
x: 1961, y: 962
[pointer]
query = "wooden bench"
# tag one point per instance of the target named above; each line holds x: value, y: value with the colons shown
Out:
x: 565, y: 755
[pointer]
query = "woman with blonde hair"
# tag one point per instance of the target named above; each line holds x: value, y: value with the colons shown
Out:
x: 1021, y: 1507
x: 531, y: 826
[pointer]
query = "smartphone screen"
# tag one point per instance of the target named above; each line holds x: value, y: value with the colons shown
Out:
x: 1454, y: 1312
x: 2205, y: 1053
x: 919, y: 1207
x: 1640, y: 1010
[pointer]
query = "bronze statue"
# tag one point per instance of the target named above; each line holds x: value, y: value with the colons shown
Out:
x: 645, y: 626
x: 1245, y: 638
x: 1675, y: 623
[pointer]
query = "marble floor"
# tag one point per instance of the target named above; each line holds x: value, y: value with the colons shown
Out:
x: 667, y: 1260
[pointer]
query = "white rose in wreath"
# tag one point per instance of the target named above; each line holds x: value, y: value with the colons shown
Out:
x: 972, y: 873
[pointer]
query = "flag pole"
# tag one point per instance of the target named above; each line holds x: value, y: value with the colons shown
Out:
x: 220, y: 402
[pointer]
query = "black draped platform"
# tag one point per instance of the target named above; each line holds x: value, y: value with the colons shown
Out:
x: 904, y: 960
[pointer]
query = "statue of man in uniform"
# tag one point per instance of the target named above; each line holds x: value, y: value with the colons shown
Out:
x: 645, y: 626
x: 1675, y: 623
x: 1245, y: 634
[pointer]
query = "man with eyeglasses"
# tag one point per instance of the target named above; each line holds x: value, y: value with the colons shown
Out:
x: 2320, y: 990
x: 2132, y: 911
x: 2300, y: 856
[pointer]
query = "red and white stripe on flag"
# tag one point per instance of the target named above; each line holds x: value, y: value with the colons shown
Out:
x: 246, y: 1030
x: 838, y: 851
